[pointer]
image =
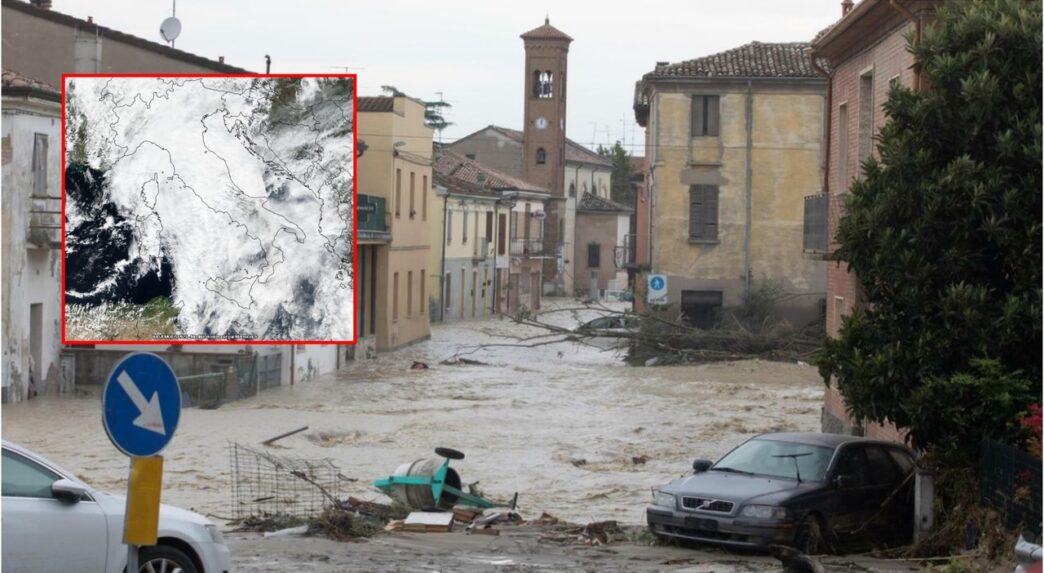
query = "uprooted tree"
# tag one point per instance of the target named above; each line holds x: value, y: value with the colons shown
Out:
x: 944, y: 234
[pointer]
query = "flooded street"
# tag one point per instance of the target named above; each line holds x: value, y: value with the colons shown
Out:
x: 559, y: 424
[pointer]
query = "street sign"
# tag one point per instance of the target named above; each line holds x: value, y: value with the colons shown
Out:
x: 657, y: 289
x: 141, y: 404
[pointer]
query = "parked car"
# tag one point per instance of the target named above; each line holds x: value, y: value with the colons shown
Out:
x: 610, y: 325
x: 806, y: 490
x: 52, y: 521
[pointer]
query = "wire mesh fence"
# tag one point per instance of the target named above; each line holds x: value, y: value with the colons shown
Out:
x: 265, y: 484
x: 1011, y: 484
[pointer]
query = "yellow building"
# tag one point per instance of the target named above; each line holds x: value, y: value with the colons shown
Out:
x: 396, y: 212
x: 734, y: 143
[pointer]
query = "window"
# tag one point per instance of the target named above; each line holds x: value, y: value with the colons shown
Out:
x: 594, y: 255
x: 839, y: 312
x: 542, y: 84
x: 424, y: 198
x: 502, y: 234
x: 398, y: 192
x: 423, y: 290
x: 489, y: 226
x: 541, y: 156
x: 23, y: 478
x: 395, y: 297
x: 903, y: 460
x: 703, y: 213
x: 842, y: 148
x: 413, y: 195
x: 866, y: 114
x: 40, y: 164
x: 409, y: 294
x: 882, y: 471
x: 852, y: 464
x: 447, y: 297
x: 705, y: 116
x: 449, y: 226
x: 572, y: 189
x: 701, y: 308
x: 464, y: 239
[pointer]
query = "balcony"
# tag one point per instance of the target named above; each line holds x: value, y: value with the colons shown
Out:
x: 527, y: 247
x: 480, y: 249
x: 626, y: 255
x: 45, y: 222
x: 373, y: 224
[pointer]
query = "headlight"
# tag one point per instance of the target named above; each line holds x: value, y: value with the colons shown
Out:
x: 663, y: 499
x: 215, y: 533
x: 764, y: 512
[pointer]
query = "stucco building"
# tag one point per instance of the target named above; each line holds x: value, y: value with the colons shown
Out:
x: 396, y: 194
x: 31, y: 240
x: 734, y: 142
x: 505, y: 218
x: 602, y: 226
x: 866, y: 50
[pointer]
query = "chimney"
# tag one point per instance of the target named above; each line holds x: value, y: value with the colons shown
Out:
x: 90, y: 20
x: 41, y: 4
x: 846, y: 6
x: 221, y: 59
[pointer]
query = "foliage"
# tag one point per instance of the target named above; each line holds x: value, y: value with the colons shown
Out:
x: 1032, y: 423
x: 621, y: 189
x: 944, y: 234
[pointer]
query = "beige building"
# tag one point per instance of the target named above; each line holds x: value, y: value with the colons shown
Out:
x: 734, y: 144
x: 396, y: 212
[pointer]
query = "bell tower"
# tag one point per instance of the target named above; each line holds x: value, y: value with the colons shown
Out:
x: 547, y: 50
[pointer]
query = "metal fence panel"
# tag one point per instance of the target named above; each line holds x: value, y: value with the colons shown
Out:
x: 1011, y: 484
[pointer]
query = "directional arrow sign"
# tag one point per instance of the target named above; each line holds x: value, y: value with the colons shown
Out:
x: 141, y: 404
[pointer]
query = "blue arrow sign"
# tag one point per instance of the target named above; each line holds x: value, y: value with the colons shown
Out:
x: 141, y: 404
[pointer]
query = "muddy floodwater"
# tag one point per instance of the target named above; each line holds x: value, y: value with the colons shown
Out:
x: 560, y: 424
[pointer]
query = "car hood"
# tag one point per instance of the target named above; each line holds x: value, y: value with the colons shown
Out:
x: 738, y: 487
x: 116, y: 505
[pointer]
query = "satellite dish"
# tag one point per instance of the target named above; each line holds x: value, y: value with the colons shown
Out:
x: 170, y: 29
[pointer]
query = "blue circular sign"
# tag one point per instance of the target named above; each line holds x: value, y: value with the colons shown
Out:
x: 656, y: 283
x: 141, y: 404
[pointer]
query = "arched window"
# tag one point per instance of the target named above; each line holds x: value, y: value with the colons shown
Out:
x: 542, y: 84
x: 541, y: 156
x: 572, y: 189
x: 584, y: 187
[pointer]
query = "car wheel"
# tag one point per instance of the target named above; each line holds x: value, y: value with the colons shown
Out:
x: 809, y: 539
x: 164, y: 559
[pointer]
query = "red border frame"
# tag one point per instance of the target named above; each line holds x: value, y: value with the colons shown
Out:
x: 355, y: 211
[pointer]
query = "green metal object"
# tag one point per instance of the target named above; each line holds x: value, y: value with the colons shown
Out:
x: 443, y: 485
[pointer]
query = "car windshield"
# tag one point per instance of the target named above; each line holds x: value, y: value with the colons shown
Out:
x: 777, y: 459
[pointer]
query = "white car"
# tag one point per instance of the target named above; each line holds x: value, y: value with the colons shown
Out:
x: 55, y: 522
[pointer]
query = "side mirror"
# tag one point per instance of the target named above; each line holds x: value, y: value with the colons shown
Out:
x: 843, y: 481
x: 68, y: 491
x: 700, y: 466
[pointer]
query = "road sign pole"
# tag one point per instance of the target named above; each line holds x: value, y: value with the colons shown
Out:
x: 132, y: 550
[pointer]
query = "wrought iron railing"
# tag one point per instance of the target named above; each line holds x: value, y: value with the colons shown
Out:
x: 527, y: 247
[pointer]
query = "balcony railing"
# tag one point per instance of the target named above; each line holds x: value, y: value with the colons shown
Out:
x: 527, y: 247
x: 372, y: 214
x: 45, y: 221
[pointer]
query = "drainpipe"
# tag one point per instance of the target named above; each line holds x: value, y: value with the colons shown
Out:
x: 746, y: 228
x: 293, y: 352
x: 444, y: 193
x: 829, y: 117
x: 917, y: 33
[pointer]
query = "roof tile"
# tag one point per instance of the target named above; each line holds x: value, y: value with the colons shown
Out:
x: 753, y: 60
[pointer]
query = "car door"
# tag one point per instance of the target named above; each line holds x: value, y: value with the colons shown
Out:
x: 853, y: 505
x: 41, y: 533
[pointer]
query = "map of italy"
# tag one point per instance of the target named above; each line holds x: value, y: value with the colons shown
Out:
x: 210, y: 208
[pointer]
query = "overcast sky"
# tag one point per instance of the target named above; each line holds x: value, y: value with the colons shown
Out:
x: 470, y: 50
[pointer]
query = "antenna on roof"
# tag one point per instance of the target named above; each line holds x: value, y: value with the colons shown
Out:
x: 170, y: 28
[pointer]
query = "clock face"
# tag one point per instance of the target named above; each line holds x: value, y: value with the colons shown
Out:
x: 541, y: 122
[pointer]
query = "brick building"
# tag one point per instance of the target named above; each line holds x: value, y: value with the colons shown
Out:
x: 866, y: 52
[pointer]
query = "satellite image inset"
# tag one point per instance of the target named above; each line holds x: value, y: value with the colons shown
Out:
x: 209, y: 209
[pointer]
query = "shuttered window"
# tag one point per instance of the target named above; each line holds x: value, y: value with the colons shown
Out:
x: 706, y: 119
x: 703, y: 213
x: 594, y: 255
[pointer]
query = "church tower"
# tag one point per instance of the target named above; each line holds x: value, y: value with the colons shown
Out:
x: 547, y: 52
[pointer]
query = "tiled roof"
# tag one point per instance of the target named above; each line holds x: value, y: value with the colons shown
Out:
x: 592, y: 202
x: 753, y: 60
x: 376, y: 104
x: 574, y: 152
x: 14, y: 83
x: 546, y: 32
x: 471, y: 176
x: 118, y: 36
